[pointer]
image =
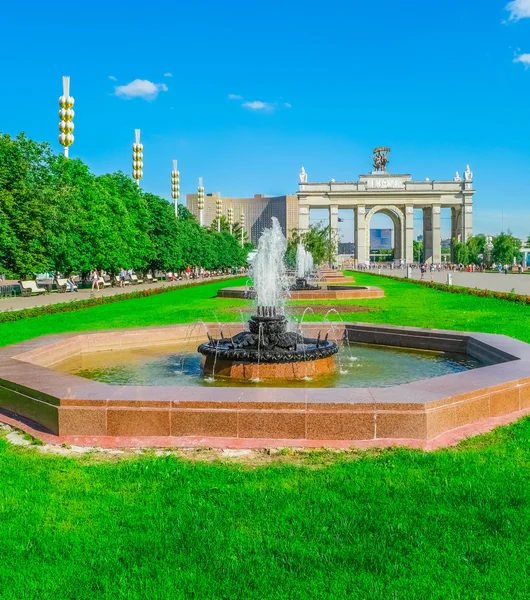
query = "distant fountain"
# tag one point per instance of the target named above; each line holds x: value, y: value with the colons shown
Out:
x: 268, y: 350
x: 304, y: 269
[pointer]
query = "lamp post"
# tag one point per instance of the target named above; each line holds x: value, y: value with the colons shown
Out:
x: 138, y: 156
x: 175, y: 187
x: 242, y: 223
x: 219, y: 212
x: 200, y: 200
x: 230, y: 212
x: 66, y: 114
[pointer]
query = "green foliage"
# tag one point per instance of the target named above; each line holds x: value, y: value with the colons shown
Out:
x: 470, y: 252
x: 506, y: 247
x: 55, y: 215
x: 318, y: 240
x: 417, y: 251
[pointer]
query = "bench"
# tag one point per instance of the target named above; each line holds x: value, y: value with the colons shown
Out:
x: 135, y: 280
x: 62, y: 285
x: 28, y: 288
x: 117, y: 283
x: 150, y: 278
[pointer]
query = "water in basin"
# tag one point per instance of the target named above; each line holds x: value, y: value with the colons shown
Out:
x: 358, y: 365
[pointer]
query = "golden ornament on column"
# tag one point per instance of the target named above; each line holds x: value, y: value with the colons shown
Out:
x: 66, y: 116
x: 219, y: 211
x: 175, y: 187
x: 200, y: 200
x: 230, y: 213
x: 137, y: 158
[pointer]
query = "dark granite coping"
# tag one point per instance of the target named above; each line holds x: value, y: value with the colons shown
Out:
x: 45, y: 384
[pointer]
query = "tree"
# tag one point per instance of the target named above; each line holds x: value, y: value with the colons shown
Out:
x: 506, y: 247
x: 317, y: 239
x: 417, y: 251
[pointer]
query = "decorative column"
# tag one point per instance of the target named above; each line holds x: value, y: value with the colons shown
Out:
x: 409, y: 235
x: 436, y: 237
x: 334, y: 226
x: 467, y: 205
x: 218, y: 211
x: 138, y: 155
x: 432, y: 252
x: 200, y: 201
x: 303, y: 218
x: 66, y: 114
x: 242, y: 224
x: 175, y: 187
x: 362, y: 254
x: 230, y: 213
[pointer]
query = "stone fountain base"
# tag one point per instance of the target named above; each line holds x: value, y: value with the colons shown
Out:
x: 251, y: 370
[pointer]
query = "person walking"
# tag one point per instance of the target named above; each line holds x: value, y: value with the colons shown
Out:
x: 94, y: 276
x: 122, y: 277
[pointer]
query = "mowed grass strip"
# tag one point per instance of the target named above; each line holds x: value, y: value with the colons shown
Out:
x: 182, y: 306
x: 378, y: 525
x: 403, y: 304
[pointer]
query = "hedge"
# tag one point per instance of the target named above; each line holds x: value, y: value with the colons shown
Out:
x: 458, y: 289
x: 65, y: 307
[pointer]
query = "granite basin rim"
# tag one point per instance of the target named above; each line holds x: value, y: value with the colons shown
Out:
x: 422, y: 410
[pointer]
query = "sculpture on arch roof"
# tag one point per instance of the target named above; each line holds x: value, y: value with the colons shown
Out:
x: 468, y: 174
x: 302, y: 178
x: 380, y: 158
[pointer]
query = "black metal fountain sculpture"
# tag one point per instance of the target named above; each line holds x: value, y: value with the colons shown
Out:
x: 277, y: 352
x: 268, y: 341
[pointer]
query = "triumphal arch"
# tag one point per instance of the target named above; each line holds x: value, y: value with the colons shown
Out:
x: 396, y: 196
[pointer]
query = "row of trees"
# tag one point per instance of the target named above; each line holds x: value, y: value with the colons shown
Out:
x: 504, y: 248
x: 55, y: 215
x: 475, y: 251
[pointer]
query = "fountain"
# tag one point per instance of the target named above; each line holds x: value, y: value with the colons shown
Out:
x: 268, y: 350
x: 304, y: 268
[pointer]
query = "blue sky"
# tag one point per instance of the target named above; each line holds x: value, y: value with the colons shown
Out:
x: 243, y: 93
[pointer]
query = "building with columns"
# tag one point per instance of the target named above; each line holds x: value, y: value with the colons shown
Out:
x: 396, y: 196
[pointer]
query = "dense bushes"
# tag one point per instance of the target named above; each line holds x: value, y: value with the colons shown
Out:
x: 55, y: 215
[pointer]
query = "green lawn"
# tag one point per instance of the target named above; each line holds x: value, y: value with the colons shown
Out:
x: 395, y: 524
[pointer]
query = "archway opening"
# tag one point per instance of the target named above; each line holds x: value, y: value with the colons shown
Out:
x: 382, y: 237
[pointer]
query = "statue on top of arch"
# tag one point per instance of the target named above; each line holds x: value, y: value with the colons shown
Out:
x: 380, y: 158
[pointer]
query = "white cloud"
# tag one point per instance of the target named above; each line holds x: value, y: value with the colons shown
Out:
x: 524, y: 59
x: 168, y: 75
x: 518, y: 9
x: 259, y: 105
x: 113, y: 78
x: 287, y: 105
x: 235, y: 97
x: 140, y: 88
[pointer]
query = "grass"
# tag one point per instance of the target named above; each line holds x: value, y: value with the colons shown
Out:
x: 394, y: 524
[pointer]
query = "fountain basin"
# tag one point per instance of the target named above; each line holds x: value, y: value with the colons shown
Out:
x: 332, y: 292
x: 427, y: 413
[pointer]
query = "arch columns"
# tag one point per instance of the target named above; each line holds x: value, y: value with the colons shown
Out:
x: 334, y: 225
x: 303, y: 217
x: 432, y: 251
x: 409, y: 234
x: 360, y: 236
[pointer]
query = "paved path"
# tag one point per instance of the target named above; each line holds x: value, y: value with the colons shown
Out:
x: 485, y: 281
x: 19, y: 303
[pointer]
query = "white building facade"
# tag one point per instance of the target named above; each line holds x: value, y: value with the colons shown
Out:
x: 396, y: 196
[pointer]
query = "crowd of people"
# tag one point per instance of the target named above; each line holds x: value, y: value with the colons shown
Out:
x: 99, y: 278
